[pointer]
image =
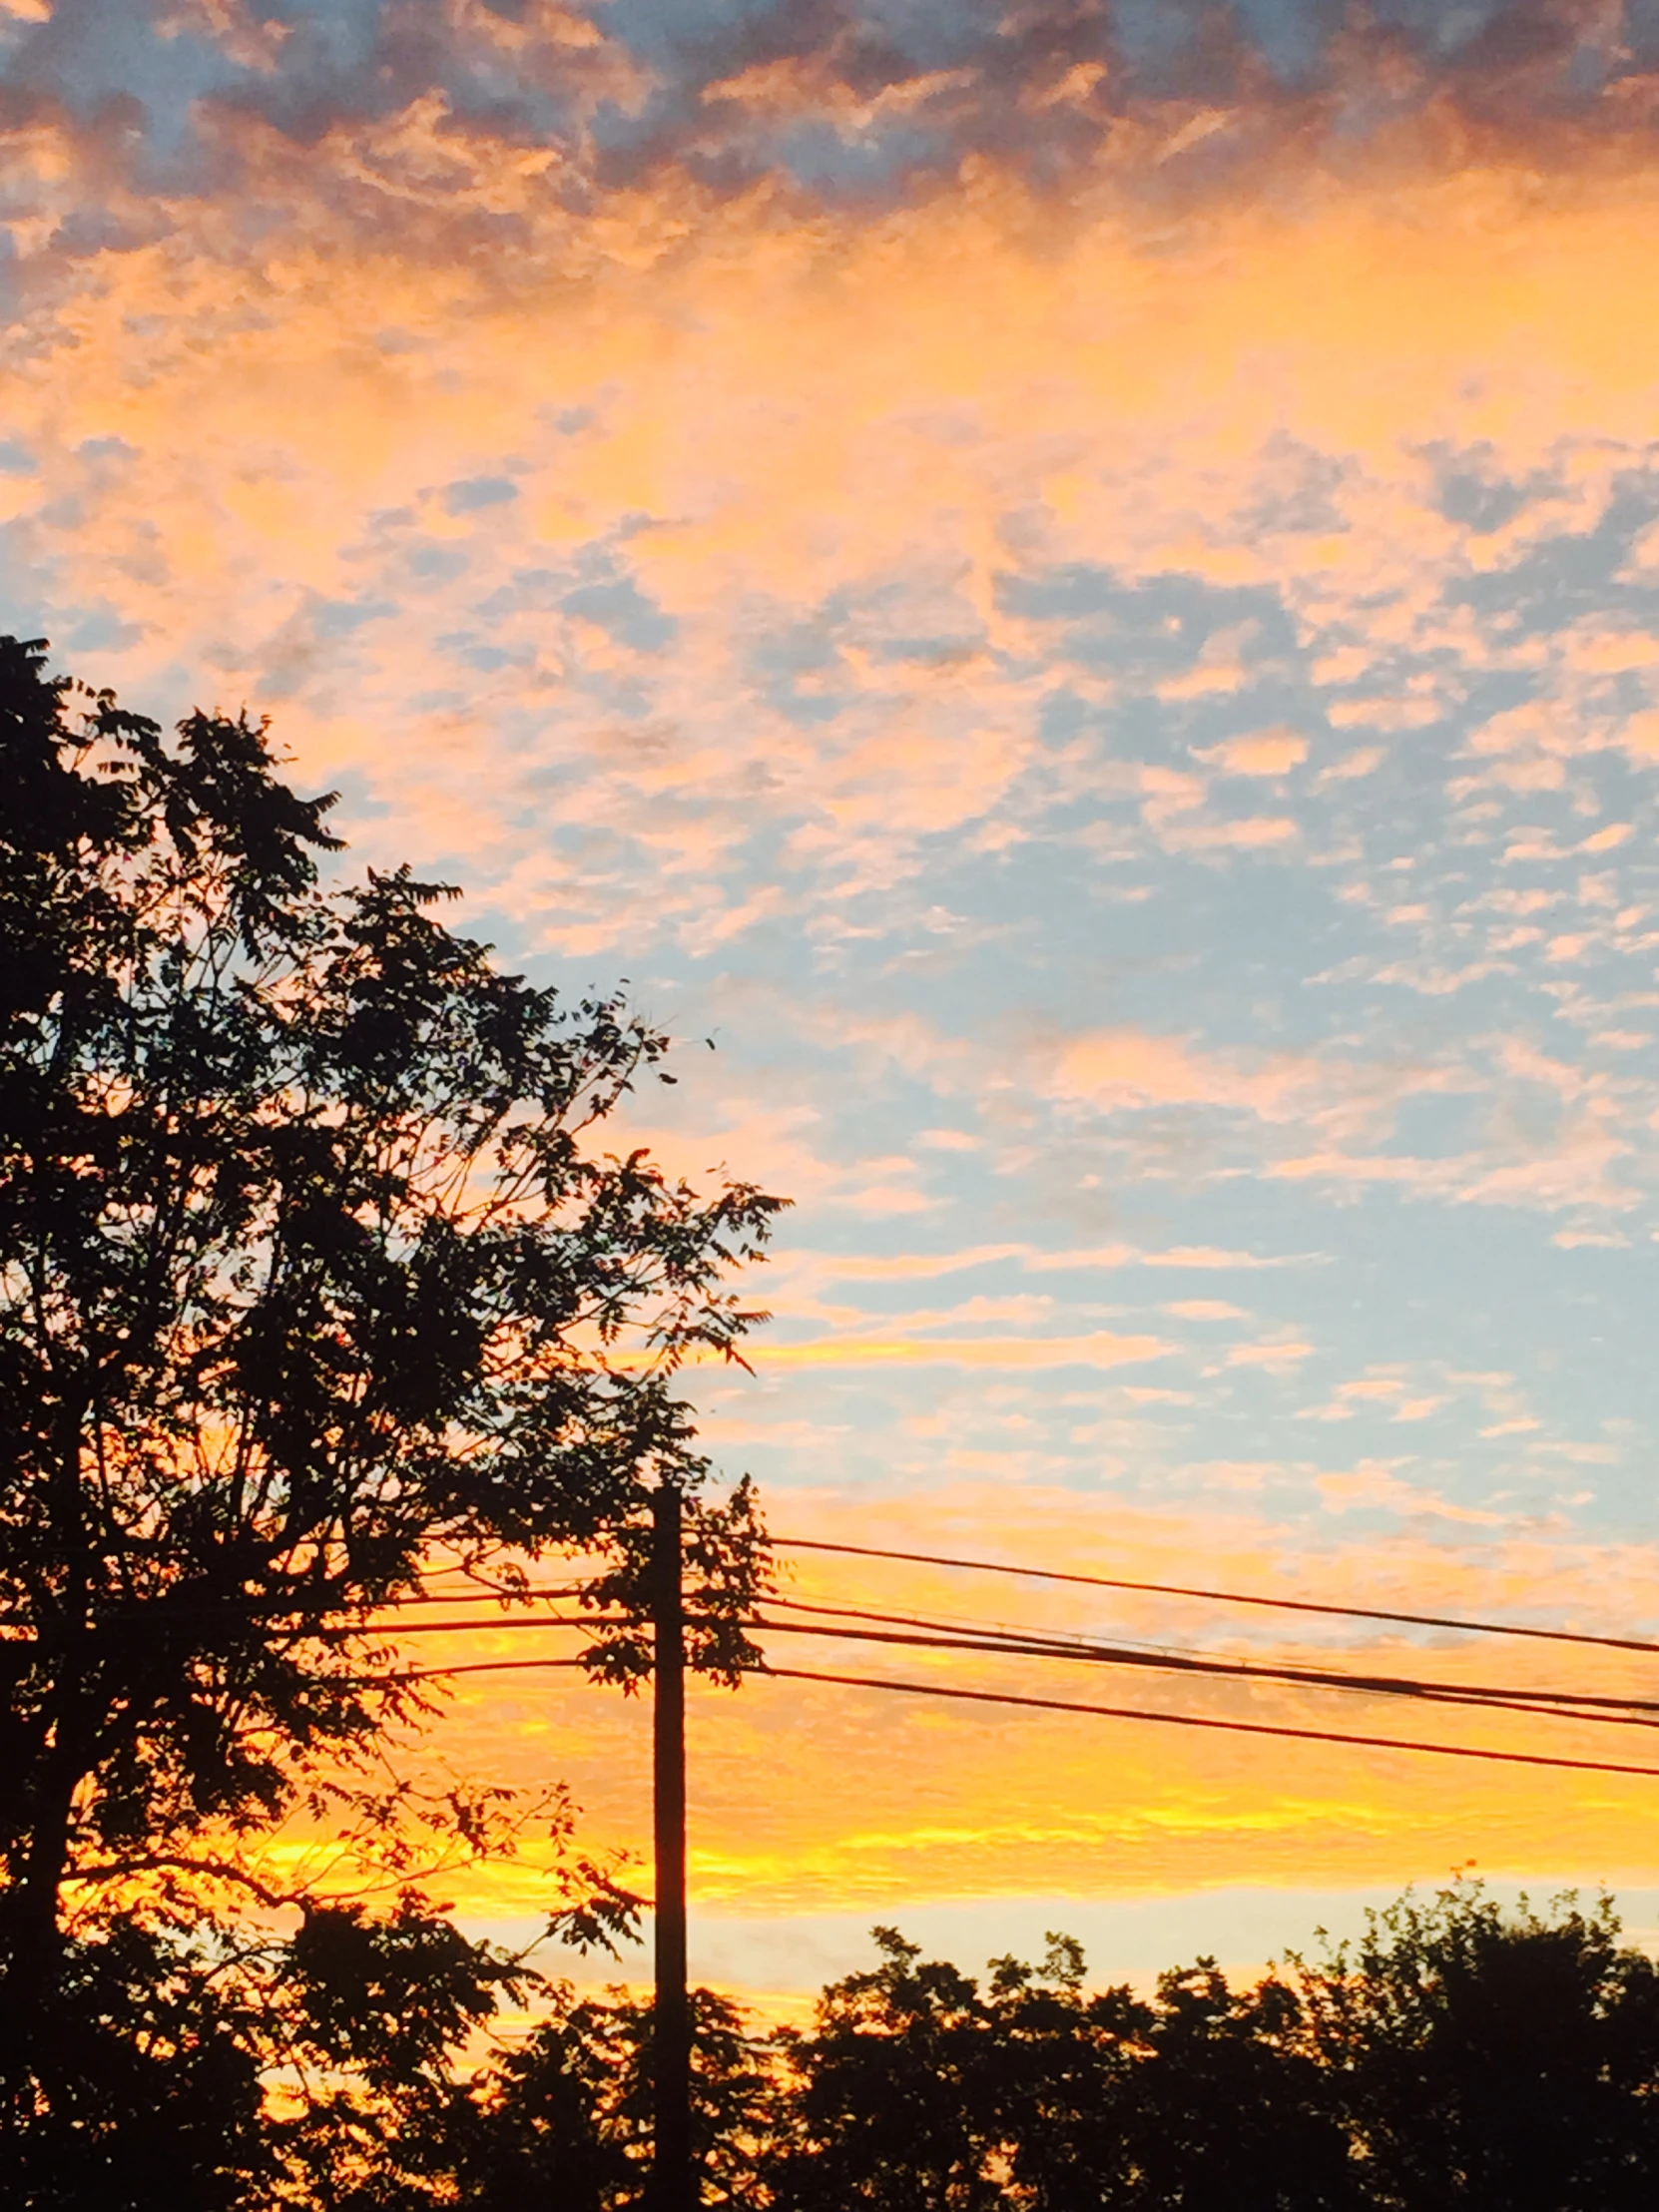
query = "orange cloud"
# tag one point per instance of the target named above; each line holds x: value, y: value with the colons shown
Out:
x: 1261, y: 753
x: 1130, y: 1068
x: 791, y: 410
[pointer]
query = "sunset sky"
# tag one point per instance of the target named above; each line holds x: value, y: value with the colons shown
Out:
x: 1076, y: 584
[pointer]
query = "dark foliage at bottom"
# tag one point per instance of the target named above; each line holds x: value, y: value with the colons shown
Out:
x: 1456, y: 2059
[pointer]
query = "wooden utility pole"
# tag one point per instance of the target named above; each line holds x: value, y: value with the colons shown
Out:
x: 675, y: 2188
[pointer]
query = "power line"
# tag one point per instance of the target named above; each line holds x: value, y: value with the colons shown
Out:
x: 1112, y: 1712
x: 474, y: 1666
x: 895, y: 1628
x: 490, y: 1624
x: 159, y: 1610
x: 1545, y: 1703
x: 276, y: 1608
x: 1222, y: 1597
x: 1561, y: 1704
x: 919, y: 1633
x: 1193, y: 1720
x: 1032, y: 1643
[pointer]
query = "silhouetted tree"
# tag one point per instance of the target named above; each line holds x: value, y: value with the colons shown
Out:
x: 1510, y: 2063
x: 888, y: 2106
x: 309, y: 1268
x: 1457, y: 2057
x: 566, y: 2117
x: 1230, y: 2113
x: 1198, y: 2098
x: 151, y: 2092
x: 916, y: 2089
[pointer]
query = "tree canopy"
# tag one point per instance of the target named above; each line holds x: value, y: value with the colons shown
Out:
x: 313, y: 1271
x: 1456, y: 2058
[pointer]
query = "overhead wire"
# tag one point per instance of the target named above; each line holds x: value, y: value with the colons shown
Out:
x: 1035, y: 1644
x: 870, y: 1625
x: 1567, y: 1705
x: 160, y: 1609
x: 1542, y: 1702
x: 1207, y: 1721
x: 919, y: 1632
x: 1457, y: 1623
x: 1114, y: 1712
x: 1222, y: 1597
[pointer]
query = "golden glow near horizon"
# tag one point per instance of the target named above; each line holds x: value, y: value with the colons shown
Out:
x: 1124, y: 696
x: 811, y: 1798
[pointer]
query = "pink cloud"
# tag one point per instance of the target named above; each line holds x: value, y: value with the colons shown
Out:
x: 1262, y: 752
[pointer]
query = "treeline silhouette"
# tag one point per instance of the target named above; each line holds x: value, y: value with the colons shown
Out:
x: 1456, y: 2056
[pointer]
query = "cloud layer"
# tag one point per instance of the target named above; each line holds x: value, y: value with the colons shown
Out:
x: 857, y: 104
